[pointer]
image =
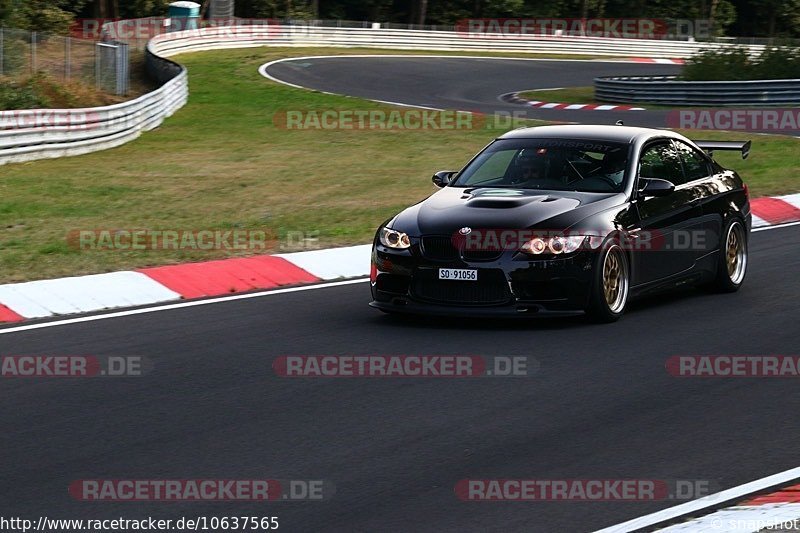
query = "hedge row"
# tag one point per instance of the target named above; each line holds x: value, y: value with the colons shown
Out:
x: 735, y: 64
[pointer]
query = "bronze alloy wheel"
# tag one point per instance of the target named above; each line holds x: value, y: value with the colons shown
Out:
x: 615, y: 279
x: 735, y: 253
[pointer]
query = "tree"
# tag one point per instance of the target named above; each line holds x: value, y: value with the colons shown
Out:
x: 130, y: 9
x: 49, y: 16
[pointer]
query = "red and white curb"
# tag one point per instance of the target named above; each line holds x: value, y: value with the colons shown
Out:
x: 582, y: 107
x: 145, y: 286
x: 658, y: 60
x: 514, y: 98
x: 768, y: 504
x: 768, y: 211
x: 84, y: 294
x: 776, y: 511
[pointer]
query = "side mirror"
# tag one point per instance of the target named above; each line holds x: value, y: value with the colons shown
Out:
x: 443, y: 177
x: 649, y: 187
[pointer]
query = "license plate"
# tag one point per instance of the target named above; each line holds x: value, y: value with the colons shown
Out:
x: 458, y: 274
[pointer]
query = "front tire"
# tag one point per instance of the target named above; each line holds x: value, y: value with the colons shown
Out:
x: 611, y: 284
x: 733, y: 257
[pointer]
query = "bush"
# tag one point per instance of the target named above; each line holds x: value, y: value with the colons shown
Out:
x: 734, y: 64
x: 778, y: 63
x: 45, y: 91
x: 26, y: 95
x: 14, y: 55
x: 40, y: 16
x: 725, y: 64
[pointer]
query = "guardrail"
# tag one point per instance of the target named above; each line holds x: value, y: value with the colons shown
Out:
x: 45, y: 133
x: 669, y: 90
x: 432, y: 40
x: 37, y: 134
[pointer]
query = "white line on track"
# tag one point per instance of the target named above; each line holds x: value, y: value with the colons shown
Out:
x: 263, y: 70
x: 776, y: 226
x: 631, y: 525
x: 193, y: 303
x: 459, y: 56
x: 729, y: 495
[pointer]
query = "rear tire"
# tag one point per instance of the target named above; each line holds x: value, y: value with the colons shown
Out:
x: 611, y: 284
x: 733, y: 257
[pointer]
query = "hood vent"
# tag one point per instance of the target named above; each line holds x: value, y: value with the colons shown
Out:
x: 503, y: 202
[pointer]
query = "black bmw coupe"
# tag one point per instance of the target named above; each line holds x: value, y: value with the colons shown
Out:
x: 564, y: 219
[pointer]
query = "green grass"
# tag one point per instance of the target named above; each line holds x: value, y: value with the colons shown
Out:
x: 772, y: 167
x: 221, y: 163
x: 567, y: 95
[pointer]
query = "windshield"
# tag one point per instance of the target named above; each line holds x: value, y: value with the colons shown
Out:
x: 552, y: 164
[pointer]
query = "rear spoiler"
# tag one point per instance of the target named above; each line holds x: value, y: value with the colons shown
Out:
x: 710, y: 146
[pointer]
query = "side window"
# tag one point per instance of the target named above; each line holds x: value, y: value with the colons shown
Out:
x: 661, y: 161
x: 695, y: 165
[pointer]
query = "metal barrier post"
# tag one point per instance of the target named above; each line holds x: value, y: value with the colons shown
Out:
x: 33, y: 52
x: 122, y: 68
x: 97, y: 73
x: 67, y: 57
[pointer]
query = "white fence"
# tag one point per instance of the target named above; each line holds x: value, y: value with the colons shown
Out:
x: 38, y: 134
x: 273, y: 35
x: 24, y: 53
x: 43, y: 133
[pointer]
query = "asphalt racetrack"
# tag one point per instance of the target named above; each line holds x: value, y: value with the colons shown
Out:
x: 601, y: 406
x: 468, y: 84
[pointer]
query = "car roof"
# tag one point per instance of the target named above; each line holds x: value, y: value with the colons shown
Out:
x: 625, y: 134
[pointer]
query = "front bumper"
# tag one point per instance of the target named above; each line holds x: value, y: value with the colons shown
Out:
x: 513, y: 284
x: 411, y: 307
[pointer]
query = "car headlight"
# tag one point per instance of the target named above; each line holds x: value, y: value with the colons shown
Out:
x: 394, y: 239
x: 554, y: 245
